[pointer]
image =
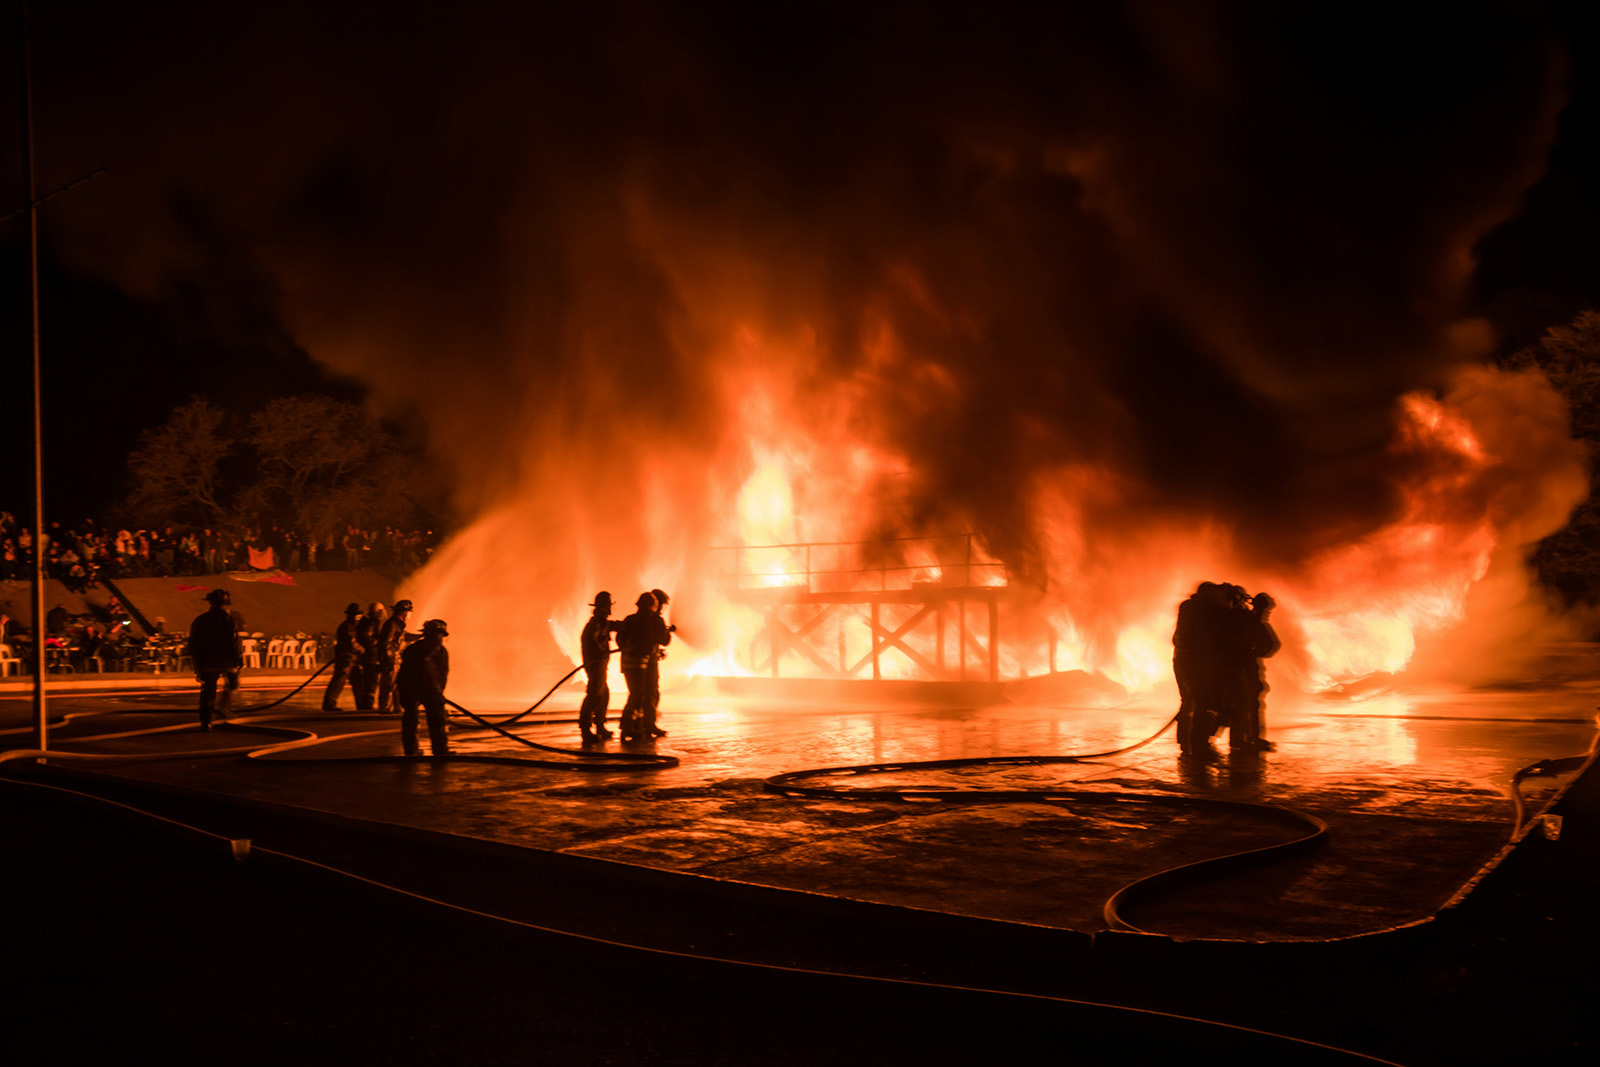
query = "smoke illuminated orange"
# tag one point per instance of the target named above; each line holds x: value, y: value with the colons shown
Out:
x: 805, y: 494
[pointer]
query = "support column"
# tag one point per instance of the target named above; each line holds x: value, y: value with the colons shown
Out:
x: 843, y: 664
x: 961, y: 605
x: 772, y: 632
x: 877, y: 673
x: 994, y: 639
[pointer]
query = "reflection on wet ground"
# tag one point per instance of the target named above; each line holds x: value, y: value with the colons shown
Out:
x: 1414, y: 785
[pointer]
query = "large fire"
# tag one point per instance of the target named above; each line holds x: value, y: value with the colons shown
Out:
x: 955, y: 345
x: 1023, y: 319
x: 807, y: 503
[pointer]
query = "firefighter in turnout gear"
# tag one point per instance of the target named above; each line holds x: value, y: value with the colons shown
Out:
x: 634, y: 652
x: 390, y: 641
x: 1197, y: 645
x: 663, y: 638
x: 347, y: 649
x: 595, y: 646
x: 214, y: 646
x: 370, y: 634
x: 639, y: 640
x: 1255, y: 642
x: 424, y: 670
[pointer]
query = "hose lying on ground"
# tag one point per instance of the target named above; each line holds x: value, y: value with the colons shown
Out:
x: 642, y: 760
x: 122, y: 711
x: 1310, y: 829
x: 243, y: 851
x: 586, y: 759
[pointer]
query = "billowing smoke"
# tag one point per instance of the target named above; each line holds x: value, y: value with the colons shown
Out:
x: 1092, y: 282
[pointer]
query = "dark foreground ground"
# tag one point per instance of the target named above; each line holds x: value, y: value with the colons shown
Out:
x: 131, y: 945
x: 127, y: 944
x: 124, y: 941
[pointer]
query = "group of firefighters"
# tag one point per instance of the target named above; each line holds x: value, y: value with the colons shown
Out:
x: 642, y: 639
x: 370, y: 652
x: 1222, y: 636
x: 390, y: 670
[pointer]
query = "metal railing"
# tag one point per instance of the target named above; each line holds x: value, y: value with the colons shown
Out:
x: 956, y: 561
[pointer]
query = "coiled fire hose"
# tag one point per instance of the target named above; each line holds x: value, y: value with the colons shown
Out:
x: 243, y: 851
x: 787, y: 784
x: 1310, y: 829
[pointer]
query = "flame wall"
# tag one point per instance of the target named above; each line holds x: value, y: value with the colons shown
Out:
x: 1141, y: 295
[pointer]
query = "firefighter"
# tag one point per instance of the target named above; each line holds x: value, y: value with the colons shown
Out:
x: 217, y: 654
x: 347, y: 650
x: 595, y: 646
x: 424, y: 670
x: 662, y: 637
x: 1197, y: 645
x: 390, y: 640
x: 370, y: 636
x: 1257, y: 641
x: 636, y: 649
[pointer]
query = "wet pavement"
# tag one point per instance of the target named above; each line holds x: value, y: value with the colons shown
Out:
x: 1414, y: 784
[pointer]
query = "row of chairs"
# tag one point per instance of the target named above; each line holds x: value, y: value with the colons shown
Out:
x: 284, y: 653
x: 152, y: 658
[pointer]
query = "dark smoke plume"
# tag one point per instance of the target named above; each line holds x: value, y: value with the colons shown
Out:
x: 1205, y: 246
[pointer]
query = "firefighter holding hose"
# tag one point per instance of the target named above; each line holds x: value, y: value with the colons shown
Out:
x: 424, y: 670
x: 662, y: 636
x: 639, y: 640
x: 595, y: 646
x: 390, y: 640
x: 347, y: 651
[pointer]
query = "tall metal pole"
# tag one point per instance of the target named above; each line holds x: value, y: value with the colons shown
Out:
x: 41, y: 727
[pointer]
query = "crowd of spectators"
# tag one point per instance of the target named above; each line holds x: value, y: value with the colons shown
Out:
x: 83, y: 553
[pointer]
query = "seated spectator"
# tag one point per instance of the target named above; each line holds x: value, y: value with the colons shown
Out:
x: 84, y: 641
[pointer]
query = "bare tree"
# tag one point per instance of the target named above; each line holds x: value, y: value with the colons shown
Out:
x: 176, y: 467
x: 322, y: 464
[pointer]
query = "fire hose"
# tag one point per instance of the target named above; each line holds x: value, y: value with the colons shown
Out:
x: 587, y: 760
x: 240, y: 711
x: 243, y: 851
x: 1308, y: 829
x: 639, y: 760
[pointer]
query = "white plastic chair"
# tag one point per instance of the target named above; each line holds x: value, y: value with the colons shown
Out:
x: 275, y: 656
x: 306, y: 658
x: 10, y: 663
x: 252, y: 652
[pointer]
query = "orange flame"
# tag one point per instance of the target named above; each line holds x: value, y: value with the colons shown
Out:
x: 805, y: 497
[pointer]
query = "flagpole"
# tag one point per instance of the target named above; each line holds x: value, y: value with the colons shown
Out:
x: 41, y: 725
